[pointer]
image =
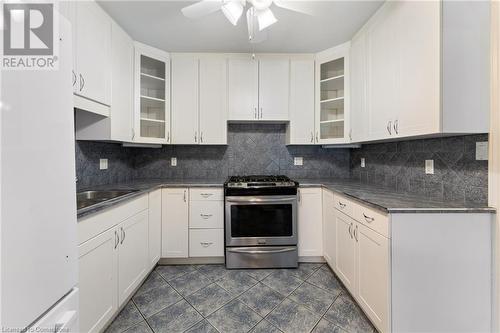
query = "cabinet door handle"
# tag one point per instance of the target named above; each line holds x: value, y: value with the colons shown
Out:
x: 312, y: 137
x: 133, y: 134
x: 396, y: 129
x: 201, y: 137
x: 389, y: 125
x: 206, y: 244
x: 195, y: 136
x: 184, y: 196
x: 123, y: 235
x: 299, y: 196
x: 255, y: 113
x: 168, y: 136
x: 350, y: 134
x: 74, y: 78
x: 261, y: 113
x: 350, y: 230
x: 206, y: 216
x: 368, y: 218
x: 317, y: 139
x: 342, y: 205
x: 356, y: 233
x: 117, y: 239
x: 82, y: 82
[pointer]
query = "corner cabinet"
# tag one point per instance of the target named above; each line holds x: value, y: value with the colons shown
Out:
x: 152, y: 96
x: 332, y: 96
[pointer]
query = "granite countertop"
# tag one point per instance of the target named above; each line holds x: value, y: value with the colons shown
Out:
x: 384, y: 199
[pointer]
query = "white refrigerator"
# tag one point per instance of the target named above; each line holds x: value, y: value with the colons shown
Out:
x: 38, y: 227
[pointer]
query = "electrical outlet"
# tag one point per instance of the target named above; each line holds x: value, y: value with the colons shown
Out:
x: 363, y: 162
x: 298, y: 161
x: 103, y: 163
x: 429, y: 167
x: 173, y: 161
x: 482, y: 151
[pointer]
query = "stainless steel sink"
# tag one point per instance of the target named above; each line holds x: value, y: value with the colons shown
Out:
x: 89, y: 198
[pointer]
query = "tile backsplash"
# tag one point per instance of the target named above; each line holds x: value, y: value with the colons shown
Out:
x: 458, y: 176
x: 261, y: 149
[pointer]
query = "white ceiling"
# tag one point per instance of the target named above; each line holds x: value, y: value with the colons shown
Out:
x: 162, y: 25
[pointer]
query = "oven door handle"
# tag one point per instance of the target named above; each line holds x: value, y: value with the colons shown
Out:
x: 250, y: 199
x: 288, y: 249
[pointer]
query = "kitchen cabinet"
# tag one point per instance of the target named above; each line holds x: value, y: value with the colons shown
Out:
x: 243, y: 88
x: 345, y: 261
x: 301, y: 128
x: 132, y: 254
x: 152, y: 95
x: 119, y: 125
x: 206, y: 243
x: 310, y: 222
x: 175, y: 222
x: 154, y: 227
x: 329, y: 228
x: 98, y: 280
x: 258, y: 88
x: 359, y: 117
x: 92, y: 73
x: 332, y: 96
x: 199, y: 99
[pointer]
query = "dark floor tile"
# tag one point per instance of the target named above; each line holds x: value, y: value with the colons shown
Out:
x: 127, y: 318
x: 282, y: 281
x: 324, y: 326
x: 171, y: 272
x: 189, y: 283
x: 139, y: 328
x: 261, y: 299
x: 155, y: 300
x: 346, y: 314
x: 213, y: 272
x: 153, y: 281
x: 202, y: 327
x: 313, y: 298
x: 265, y: 327
x: 259, y: 274
x: 176, y: 318
x: 209, y: 299
x: 305, y: 270
x: 236, y: 282
x: 325, y: 279
x: 291, y: 317
x: 234, y: 317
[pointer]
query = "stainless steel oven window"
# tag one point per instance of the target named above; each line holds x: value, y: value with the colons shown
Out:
x: 284, y: 205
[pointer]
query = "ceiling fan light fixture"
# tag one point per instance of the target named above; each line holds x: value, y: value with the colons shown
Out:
x: 233, y: 11
x: 265, y: 18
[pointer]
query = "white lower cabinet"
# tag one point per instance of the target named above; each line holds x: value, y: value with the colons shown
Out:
x: 345, y: 262
x: 175, y: 223
x: 206, y: 242
x: 310, y: 222
x: 132, y: 254
x: 154, y: 227
x: 97, y: 280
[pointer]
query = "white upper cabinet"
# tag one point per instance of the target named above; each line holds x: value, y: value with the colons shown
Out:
x: 332, y: 96
x: 301, y: 127
x: 274, y: 85
x: 93, y: 52
x: 152, y: 95
x: 213, y: 100
x: 243, y: 88
x: 185, y: 100
x: 359, y: 119
x: 199, y: 99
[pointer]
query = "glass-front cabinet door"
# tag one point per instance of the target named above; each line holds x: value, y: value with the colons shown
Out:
x: 332, y: 96
x: 152, y: 97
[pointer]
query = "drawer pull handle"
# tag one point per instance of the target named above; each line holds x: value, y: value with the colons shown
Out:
x: 206, y: 216
x: 356, y: 234
x: 350, y: 230
x: 206, y: 195
x: 206, y: 244
x: 368, y: 218
x: 342, y: 205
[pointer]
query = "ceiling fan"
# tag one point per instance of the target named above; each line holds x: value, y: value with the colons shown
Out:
x: 259, y: 15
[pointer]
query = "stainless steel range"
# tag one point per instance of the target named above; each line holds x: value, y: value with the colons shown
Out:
x: 261, y: 222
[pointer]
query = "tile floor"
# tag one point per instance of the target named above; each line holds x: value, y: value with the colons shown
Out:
x: 209, y: 298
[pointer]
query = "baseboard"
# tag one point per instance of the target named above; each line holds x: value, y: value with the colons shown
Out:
x: 220, y: 260
x: 318, y: 259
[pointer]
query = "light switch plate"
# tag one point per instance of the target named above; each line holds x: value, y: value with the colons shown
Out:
x: 429, y: 167
x: 103, y: 163
x: 363, y: 162
x: 173, y: 161
x: 482, y: 151
x: 298, y: 161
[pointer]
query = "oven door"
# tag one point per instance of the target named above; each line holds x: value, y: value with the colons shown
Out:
x: 261, y: 220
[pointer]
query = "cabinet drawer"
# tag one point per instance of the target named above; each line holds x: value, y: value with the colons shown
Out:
x: 208, y: 194
x: 344, y: 205
x: 206, y: 242
x: 206, y: 214
x: 372, y: 219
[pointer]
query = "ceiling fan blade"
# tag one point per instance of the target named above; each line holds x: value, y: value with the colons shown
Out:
x: 254, y: 34
x: 202, y: 8
x: 297, y: 6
